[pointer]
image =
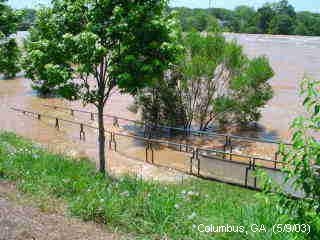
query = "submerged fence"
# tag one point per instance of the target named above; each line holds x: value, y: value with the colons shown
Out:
x: 224, y: 142
x: 218, y: 165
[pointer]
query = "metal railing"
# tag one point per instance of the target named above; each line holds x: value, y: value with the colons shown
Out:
x: 228, y: 142
x: 195, y: 132
x: 195, y: 160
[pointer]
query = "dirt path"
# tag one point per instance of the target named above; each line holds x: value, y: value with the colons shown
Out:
x: 20, y: 219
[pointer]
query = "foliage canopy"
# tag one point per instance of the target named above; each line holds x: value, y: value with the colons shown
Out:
x: 303, y: 163
x: 271, y: 18
x: 213, y: 82
x: 9, y: 51
x: 84, y: 49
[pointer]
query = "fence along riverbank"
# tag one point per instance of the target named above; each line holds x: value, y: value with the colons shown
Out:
x: 150, y: 130
x: 228, y: 167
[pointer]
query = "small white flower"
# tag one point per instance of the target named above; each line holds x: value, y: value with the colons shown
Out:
x: 191, y: 193
x: 125, y: 193
x: 192, y: 216
x: 177, y: 206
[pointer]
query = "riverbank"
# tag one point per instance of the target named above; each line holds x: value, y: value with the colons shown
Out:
x: 148, y: 209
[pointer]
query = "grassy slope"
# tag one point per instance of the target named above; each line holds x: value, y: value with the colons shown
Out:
x: 148, y: 209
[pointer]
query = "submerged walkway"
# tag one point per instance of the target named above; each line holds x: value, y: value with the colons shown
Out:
x: 140, y: 156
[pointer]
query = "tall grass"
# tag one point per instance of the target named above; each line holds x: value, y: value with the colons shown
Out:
x: 150, y: 210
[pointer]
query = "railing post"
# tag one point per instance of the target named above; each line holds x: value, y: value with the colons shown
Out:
x: 254, y: 169
x: 57, y: 124
x: 92, y: 117
x: 247, y: 173
x: 152, y: 153
x: 231, y: 148
x: 225, y: 147
x: 115, y: 122
x: 113, y: 140
x: 276, y: 159
x: 191, y: 161
x: 147, y: 151
x: 149, y: 147
x: 226, y: 143
x: 198, y: 161
x: 82, y: 133
x: 110, y: 146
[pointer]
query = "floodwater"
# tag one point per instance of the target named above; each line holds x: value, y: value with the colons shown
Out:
x: 18, y: 93
x: 290, y: 57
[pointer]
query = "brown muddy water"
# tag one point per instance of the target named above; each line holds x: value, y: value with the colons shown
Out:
x: 291, y: 58
x: 18, y: 93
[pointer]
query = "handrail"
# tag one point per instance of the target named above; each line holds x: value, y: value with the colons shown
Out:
x: 262, y: 140
x: 52, y: 117
x: 143, y: 138
x: 241, y: 155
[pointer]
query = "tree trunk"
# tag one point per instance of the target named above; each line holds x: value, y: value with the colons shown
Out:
x: 102, y: 140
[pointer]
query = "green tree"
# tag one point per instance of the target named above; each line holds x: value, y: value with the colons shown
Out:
x: 302, y: 164
x: 28, y: 16
x: 214, y: 82
x: 197, y: 19
x: 9, y: 56
x: 301, y: 29
x: 275, y: 18
x: 200, y: 75
x: 282, y: 24
x: 161, y: 104
x: 307, y: 24
x: 284, y: 20
x: 246, y: 18
x: 283, y: 7
x: 102, y: 45
x: 264, y: 16
x: 226, y: 18
x: 44, y: 52
x: 221, y: 82
x: 9, y: 51
x: 251, y: 90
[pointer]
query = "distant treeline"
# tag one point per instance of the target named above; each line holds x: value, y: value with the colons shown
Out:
x: 271, y: 18
x: 27, y: 18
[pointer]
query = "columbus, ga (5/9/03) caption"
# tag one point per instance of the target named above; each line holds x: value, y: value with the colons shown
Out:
x: 255, y: 228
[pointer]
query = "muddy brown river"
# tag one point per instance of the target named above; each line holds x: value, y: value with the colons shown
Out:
x: 290, y: 57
